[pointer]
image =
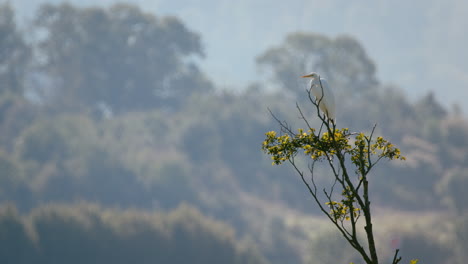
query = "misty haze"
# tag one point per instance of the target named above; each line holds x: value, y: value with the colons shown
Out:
x: 132, y: 132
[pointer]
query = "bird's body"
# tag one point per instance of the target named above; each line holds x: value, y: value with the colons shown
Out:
x: 323, y: 95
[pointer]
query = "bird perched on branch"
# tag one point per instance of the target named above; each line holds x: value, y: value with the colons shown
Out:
x: 323, y: 95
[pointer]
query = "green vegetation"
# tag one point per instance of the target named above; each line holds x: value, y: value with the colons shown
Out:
x: 346, y: 199
x: 108, y: 106
x: 86, y: 233
x: 119, y: 57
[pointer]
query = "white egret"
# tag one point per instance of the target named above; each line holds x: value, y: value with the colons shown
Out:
x: 323, y: 95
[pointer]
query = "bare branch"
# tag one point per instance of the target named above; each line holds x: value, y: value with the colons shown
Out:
x: 396, y: 259
x: 303, y: 117
x: 283, y: 124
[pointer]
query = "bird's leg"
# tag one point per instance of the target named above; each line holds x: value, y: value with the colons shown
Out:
x: 320, y: 130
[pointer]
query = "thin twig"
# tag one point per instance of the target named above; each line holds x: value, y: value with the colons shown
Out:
x: 396, y: 259
x: 303, y: 117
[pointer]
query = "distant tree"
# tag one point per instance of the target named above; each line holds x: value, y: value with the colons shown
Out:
x: 350, y: 157
x: 10, y: 175
x: 452, y: 187
x: 427, y: 248
x: 14, y: 53
x: 428, y: 108
x: 323, y: 249
x: 119, y: 57
x: 461, y: 236
x: 342, y: 60
x: 86, y: 233
x: 16, y: 113
x: 16, y: 245
x: 64, y: 159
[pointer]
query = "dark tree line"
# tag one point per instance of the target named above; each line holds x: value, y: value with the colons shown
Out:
x: 85, y: 233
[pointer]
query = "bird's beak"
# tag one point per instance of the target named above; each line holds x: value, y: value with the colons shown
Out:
x: 306, y: 76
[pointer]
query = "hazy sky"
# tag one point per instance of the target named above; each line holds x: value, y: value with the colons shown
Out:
x: 418, y: 45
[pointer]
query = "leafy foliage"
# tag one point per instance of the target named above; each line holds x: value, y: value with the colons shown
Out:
x: 122, y: 57
x: 342, y: 59
x: 14, y: 53
x: 334, y: 146
x: 325, y: 146
x: 112, y: 109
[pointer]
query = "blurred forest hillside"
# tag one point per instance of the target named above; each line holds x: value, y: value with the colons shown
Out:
x: 116, y: 147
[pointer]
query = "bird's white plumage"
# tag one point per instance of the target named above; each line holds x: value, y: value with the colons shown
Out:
x: 324, y: 96
x: 325, y: 99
